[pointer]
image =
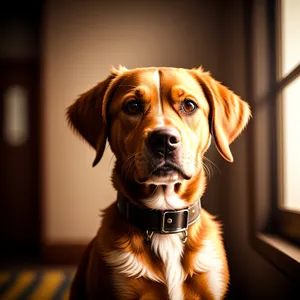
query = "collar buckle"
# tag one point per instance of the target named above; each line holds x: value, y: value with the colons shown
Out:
x: 167, y: 220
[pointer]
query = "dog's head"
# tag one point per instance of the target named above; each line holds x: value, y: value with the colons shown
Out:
x: 159, y: 121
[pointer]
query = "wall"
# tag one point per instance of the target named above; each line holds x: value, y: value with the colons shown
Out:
x: 82, y: 40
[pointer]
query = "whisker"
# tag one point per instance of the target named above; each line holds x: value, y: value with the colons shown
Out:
x: 129, y: 157
x: 207, y: 170
x: 129, y: 164
x: 209, y: 166
x: 211, y: 163
x: 127, y: 160
x: 131, y: 167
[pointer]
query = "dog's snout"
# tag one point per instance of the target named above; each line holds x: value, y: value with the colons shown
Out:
x: 164, y: 140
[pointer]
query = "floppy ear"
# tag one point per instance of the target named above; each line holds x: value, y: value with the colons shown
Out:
x: 86, y: 117
x: 229, y: 114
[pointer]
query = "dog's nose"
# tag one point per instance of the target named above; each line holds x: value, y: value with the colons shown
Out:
x: 164, y: 140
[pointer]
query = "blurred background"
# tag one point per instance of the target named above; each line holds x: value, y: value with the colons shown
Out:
x: 51, y: 197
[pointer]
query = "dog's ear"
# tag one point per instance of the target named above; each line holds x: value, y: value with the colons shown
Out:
x: 85, y: 115
x: 229, y: 114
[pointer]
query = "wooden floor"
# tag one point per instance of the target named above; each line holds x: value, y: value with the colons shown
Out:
x: 38, y: 284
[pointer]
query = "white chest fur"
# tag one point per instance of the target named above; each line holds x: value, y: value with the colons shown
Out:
x: 169, y: 248
x: 164, y: 199
x: 209, y: 262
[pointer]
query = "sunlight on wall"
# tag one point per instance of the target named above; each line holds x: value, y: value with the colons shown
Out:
x: 290, y: 35
x: 291, y: 142
x: 291, y: 104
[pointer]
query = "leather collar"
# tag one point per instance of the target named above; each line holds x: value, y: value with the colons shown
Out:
x: 163, y: 221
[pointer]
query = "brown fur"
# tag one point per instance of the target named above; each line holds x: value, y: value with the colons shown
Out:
x: 97, y: 116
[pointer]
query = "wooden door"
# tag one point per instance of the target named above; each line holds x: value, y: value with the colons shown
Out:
x: 19, y: 131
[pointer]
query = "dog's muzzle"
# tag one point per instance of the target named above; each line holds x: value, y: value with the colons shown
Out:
x: 163, y: 155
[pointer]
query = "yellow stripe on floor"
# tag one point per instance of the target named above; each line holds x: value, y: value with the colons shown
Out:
x: 23, y: 280
x: 50, y: 282
x: 66, y: 294
x: 4, y: 277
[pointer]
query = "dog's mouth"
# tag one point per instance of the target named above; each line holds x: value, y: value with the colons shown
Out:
x: 166, y: 171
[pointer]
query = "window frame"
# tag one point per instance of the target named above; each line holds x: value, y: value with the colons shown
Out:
x: 288, y: 221
x: 268, y: 223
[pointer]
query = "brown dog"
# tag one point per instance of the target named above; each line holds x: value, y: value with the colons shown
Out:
x: 155, y: 241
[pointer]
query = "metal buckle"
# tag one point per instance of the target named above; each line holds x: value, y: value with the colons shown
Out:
x: 149, y: 235
x: 175, y: 230
x: 185, y: 236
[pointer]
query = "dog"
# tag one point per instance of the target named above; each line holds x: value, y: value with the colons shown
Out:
x: 155, y: 241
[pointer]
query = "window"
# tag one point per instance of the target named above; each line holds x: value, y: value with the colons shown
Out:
x: 288, y: 124
x: 274, y: 164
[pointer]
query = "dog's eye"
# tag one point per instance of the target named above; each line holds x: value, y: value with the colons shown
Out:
x: 188, y: 106
x: 133, y: 107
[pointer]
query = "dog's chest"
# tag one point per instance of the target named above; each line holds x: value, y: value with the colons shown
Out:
x: 128, y: 267
x: 169, y: 248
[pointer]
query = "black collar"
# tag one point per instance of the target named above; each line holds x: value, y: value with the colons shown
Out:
x: 163, y: 221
